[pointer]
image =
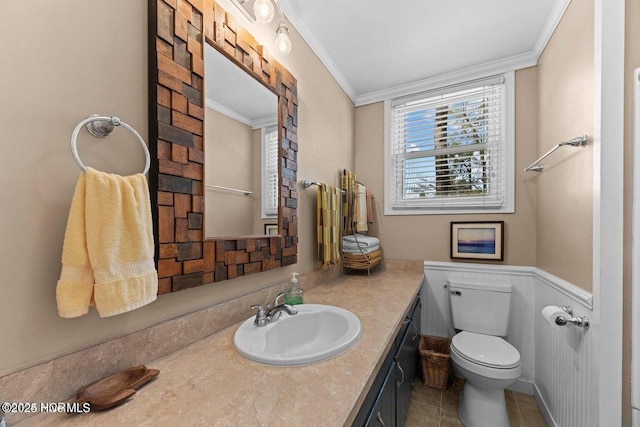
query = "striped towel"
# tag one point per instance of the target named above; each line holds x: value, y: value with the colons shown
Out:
x: 349, y: 187
x: 328, y: 225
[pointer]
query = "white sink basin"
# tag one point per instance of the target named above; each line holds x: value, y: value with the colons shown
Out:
x: 316, y: 333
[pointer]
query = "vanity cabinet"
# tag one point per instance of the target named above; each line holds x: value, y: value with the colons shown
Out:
x: 387, y: 402
x: 407, y: 362
x: 383, y: 413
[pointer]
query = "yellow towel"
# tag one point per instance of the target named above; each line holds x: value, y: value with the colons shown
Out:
x: 107, y: 257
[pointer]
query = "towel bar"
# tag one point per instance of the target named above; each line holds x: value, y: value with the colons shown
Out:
x: 100, y: 127
x: 305, y: 183
x: 579, y: 141
x: 237, y: 190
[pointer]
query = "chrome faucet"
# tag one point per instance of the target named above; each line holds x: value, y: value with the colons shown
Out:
x: 264, y: 317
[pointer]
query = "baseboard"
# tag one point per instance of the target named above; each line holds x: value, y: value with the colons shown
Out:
x: 544, y: 409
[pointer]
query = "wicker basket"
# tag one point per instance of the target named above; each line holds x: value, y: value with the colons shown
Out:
x: 436, y: 361
x: 362, y: 262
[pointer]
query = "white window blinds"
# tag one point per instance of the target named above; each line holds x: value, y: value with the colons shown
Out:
x: 270, y: 159
x: 447, y: 148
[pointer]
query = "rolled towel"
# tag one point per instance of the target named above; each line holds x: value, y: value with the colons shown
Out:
x: 360, y: 239
x: 354, y: 246
x: 361, y: 250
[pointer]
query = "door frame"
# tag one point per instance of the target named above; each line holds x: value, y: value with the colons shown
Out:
x: 608, y: 205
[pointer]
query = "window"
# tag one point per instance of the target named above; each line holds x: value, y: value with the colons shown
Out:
x: 450, y: 150
x: 270, y: 159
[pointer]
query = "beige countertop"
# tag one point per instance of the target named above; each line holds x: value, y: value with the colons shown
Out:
x: 208, y: 383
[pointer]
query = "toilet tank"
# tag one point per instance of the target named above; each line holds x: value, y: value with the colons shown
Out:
x: 480, y: 307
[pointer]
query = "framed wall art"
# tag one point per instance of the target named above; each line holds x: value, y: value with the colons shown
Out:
x: 482, y: 240
x: 271, y: 229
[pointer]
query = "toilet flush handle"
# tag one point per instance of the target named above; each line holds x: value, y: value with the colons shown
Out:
x: 455, y: 292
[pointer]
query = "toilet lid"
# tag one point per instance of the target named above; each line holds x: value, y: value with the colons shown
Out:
x: 485, y: 350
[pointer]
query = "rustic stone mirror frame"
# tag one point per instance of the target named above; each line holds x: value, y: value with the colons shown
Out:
x: 185, y: 259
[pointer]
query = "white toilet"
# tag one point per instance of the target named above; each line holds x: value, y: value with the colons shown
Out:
x: 488, y: 363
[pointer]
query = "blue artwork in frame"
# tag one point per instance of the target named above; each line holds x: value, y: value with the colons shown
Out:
x: 482, y: 240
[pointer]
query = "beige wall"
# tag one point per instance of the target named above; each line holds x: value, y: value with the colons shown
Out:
x: 426, y: 237
x: 230, y: 156
x: 564, y: 221
x: 552, y: 224
x: 63, y: 61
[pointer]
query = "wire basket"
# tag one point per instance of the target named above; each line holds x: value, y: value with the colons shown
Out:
x: 436, y: 361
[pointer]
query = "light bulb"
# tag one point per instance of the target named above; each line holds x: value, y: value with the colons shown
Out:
x: 282, y: 42
x: 263, y: 9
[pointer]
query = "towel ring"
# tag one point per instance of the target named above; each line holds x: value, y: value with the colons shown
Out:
x: 100, y: 130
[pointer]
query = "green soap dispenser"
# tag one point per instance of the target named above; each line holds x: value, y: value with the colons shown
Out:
x: 293, y: 296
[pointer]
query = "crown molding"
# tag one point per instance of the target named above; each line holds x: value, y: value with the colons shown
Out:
x: 317, y: 48
x: 485, y: 70
x: 550, y: 26
x: 516, y: 62
x: 254, y: 124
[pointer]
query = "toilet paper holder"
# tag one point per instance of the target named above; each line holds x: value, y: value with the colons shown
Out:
x: 580, y: 321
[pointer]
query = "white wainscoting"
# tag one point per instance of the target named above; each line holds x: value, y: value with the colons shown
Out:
x: 564, y: 377
x: 556, y: 363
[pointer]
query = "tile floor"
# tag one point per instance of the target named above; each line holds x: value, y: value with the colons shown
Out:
x: 434, y: 408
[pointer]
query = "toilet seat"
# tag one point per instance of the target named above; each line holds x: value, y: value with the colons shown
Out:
x: 485, y: 350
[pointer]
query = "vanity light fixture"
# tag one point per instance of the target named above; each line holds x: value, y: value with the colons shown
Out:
x: 283, y: 43
x: 263, y: 11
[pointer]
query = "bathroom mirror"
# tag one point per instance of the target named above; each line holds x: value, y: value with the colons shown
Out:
x: 177, y: 142
x: 239, y: 113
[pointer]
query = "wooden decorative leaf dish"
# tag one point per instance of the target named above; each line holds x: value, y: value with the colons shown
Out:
x: 115, y: 389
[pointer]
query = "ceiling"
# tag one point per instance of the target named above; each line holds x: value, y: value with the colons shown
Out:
x: 377, y: 47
